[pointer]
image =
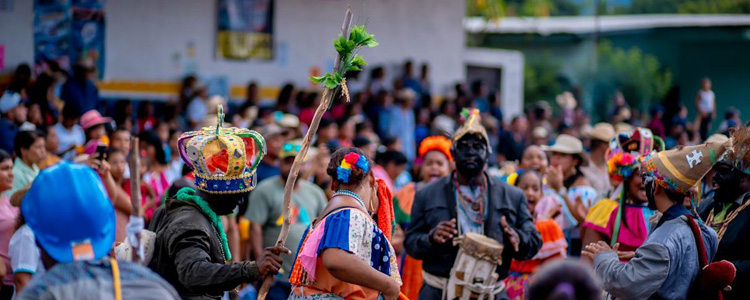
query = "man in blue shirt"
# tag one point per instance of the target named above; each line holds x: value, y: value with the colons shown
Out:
x: 80, y: 89
x: 13, y: 115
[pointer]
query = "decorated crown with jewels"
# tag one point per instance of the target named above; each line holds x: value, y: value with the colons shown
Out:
x: 223, y: 159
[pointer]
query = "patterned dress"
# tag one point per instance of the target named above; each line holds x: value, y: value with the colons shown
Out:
x: 633, y: 228
x: 553, y: 247
x: 350, y: 230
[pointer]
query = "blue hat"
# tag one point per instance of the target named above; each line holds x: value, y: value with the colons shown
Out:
x: 9, y: 100
x: 70, y: 213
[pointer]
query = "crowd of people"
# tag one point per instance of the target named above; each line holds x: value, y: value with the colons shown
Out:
x: 629, y: 208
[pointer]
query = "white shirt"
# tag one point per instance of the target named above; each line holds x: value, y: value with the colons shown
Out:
x: 73, y: 137
x: 24, y: 254
x: 196, y: 110
x: 706, y: 102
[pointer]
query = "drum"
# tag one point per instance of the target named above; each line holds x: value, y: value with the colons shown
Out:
x: 473, y: 274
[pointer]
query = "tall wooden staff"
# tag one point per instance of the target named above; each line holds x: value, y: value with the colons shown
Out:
x: 346, y: 46
x: 135, y: 191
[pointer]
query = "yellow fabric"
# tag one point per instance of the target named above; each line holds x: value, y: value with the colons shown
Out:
x: 116, y: 279
x: 244, y: 228
x: 674, y: 170
x: 600, y: 213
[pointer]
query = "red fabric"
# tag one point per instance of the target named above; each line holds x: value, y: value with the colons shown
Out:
x: 385, y: 209
x: 713, y: 277
x: 219, y: 160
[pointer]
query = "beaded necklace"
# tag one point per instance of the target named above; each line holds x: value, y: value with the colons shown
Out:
x: 351, y: 194
x: 466, y: 201
x: 188, y: 195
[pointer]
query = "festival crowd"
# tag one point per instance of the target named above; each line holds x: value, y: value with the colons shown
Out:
x: 644, y: 205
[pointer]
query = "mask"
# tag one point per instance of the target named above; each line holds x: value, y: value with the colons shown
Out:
x: 727, y: 182
x: 648, y: 181
x: 224, y: 206
x: 470, y: 154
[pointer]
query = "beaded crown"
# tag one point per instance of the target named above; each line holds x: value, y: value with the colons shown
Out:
x: 223, y: 159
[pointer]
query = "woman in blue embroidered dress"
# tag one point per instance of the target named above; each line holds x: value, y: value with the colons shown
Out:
x: 346, y: 253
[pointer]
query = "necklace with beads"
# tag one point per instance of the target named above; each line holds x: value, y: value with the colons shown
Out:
x: 353, y: 195
x: 476, y: 205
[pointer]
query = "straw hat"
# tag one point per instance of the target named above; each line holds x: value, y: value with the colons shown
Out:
x: 623, y: 127
x: 540, y: 132
x: 603, y: 132
x: 289, y: 121
x: 568, y: 144
x: 678, y: 170
x: 472, y: 125
x: 566, y: 100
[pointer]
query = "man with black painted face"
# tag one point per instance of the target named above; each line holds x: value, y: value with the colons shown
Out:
x: 728, y: 213
x: 468, y: 200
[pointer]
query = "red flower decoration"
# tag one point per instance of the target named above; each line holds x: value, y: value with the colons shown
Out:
x: 351, y: 158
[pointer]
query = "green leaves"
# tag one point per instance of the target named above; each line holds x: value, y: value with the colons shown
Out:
x: 360, y: 37
x: 343, y: 45
x: 355, y: 63
x: 331, y: 81
x: 346, y: 47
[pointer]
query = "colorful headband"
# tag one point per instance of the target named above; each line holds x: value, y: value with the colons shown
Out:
x: 436, y: 143
x: 625, y: 151
x: 352, y: 159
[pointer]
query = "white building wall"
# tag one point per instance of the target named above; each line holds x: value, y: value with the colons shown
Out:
x: 144, y: 35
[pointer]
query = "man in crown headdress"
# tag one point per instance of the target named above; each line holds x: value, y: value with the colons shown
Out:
x: 672, y: 262
x: 468, y: 200
x: 728, y: 213
x: 191, y: 249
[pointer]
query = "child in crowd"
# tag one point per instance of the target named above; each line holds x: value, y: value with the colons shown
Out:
x: 554, y: 243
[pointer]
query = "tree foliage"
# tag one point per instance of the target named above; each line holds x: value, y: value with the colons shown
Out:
x: 542, y: 80
x: 685, y: 7
x: 639, y: 76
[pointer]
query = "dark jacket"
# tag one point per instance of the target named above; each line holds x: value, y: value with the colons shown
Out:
x: 436, y: 202
x: 188, y: 254
x: 734, y: 246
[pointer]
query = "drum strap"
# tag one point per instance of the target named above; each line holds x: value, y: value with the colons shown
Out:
x: 434, y: 281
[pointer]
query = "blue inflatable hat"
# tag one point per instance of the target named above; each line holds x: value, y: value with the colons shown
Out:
x: 70, y: 213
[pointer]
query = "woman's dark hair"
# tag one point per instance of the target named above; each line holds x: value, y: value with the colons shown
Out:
x: 568, y: 182
x: 71, y: 110
x: 523, y: 173
x: 308, y: 100
x: 24, y: 140
x: 564, y: 280
x: 285, y: 95
x: 152, y: 138
x: 361, y: 141
x: 357, y: 175
x: 4, y: 155
x: 38, y: 94
x: 394, y: 156
x: 390, y: 140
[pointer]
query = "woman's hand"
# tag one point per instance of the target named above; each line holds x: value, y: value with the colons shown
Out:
x: 392, y: 292
x: 555, y: 177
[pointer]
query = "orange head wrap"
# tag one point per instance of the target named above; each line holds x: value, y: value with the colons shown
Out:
x: 437, y: 143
